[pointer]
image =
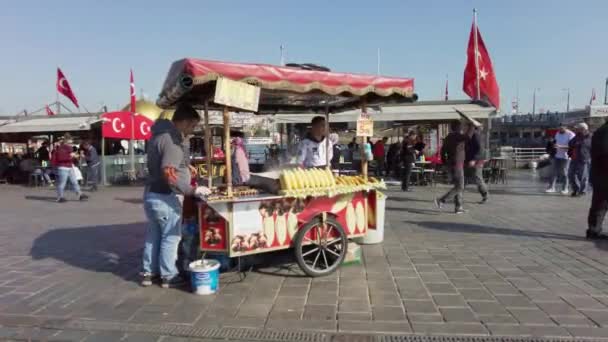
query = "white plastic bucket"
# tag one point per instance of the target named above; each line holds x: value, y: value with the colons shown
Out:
x: 205, y: 276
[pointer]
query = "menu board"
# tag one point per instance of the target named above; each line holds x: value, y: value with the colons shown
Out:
x: 238, y: 95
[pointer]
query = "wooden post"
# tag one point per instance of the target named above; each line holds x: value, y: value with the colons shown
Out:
x: 363, y: 142
x: 227, y: 152
x: 327, y: 147
x: 209, y: 151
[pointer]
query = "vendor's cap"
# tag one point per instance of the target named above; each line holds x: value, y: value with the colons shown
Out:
x: 582, y: 125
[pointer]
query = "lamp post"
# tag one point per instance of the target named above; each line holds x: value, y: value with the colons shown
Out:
x: 567, y: 99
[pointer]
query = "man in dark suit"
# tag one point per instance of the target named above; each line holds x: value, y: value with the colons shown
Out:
x: 599, y: 181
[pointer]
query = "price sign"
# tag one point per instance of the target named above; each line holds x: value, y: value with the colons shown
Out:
x: 237, y: 94
x: 365, y: 126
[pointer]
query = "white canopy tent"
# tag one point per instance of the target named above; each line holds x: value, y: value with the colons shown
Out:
x: 59, y: 123
x: 418, y: 111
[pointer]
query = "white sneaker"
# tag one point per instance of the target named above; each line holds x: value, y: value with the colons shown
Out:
x: 550, y: 191
x: 565, y: 192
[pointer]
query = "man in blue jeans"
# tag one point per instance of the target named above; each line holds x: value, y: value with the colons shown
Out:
x: 62, y: 161
x: 168, y: 182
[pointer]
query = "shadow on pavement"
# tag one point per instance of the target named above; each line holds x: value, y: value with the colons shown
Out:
x: 407, y: 199
x: 516, y: 193
x: 41, y: 198
x: 112, y: 248
x: 280, y: 263
x: 415, y: 211
x: 474, y: 228
x: 130, y: 200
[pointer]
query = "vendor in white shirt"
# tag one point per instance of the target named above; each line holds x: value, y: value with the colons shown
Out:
x: 314, y: 149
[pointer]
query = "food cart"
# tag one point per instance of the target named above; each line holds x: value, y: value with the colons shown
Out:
x: 312, y: 211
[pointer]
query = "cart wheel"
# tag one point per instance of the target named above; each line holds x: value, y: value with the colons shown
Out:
x: 325, y: 249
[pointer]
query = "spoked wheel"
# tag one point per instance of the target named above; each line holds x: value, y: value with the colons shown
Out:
x: 320, y: 248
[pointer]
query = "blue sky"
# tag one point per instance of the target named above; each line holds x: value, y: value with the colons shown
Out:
x: 543, y: 44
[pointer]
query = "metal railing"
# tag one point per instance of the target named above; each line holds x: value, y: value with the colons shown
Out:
x: 521, y: 156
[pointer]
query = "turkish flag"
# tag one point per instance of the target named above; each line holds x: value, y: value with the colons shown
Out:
x: 133, y: 99
x: 142, y: 127
x: 116, y: 125
x: 64, y: 88
x: 49, y: 112
x: 488, y: 87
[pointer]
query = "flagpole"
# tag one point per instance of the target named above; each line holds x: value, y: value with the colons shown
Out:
x: 378, y: 66
x: 132, y: 142
x: 446, y: 86
x: 476, y: 52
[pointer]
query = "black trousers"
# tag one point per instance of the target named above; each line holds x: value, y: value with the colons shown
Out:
x: 599, y: 207
x: 405, y: 177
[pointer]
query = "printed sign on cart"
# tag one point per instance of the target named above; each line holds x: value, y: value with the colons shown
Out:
x: 237, y: 94
x: 365, y: 126
x: 248, y: 227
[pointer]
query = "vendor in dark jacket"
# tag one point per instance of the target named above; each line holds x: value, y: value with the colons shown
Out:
x: 408, y: 157
x: 168, y: 182
x: 599, y: 181
x: 580, y: 159
x: 474, y: 161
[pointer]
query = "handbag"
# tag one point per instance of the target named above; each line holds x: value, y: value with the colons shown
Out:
x: 77, y: 173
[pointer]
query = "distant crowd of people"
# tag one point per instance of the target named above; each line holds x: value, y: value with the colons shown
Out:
x: 54, y: 166
x: 580, y: 159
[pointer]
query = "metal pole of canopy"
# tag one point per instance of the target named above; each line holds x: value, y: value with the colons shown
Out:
x: 327, y: 161
x: 227, y: 152
x: 103, y: 161
x: 363, y: 142
x: 209, y: 151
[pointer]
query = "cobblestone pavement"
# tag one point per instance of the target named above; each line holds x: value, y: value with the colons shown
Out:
x: 516, y: 266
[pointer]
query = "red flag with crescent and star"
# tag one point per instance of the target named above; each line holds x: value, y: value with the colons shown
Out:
x: 49, y: 112
x: 142, y: 127
x: 488, y: 87
x: 117, y: 125
x: 133, y: 99
x: 64, y: 88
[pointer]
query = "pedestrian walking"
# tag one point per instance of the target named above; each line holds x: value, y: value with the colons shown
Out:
x: 62, y: 159
x: 580, y: 160
x: 379, y: 152
x: 408, y: 157
x: 474, y: 161
x: 453, y: 156
x: 93, y: 164
x: 392, y: 159
x: 168, y: 182
x: 561, y: 161
x: 599, y: 181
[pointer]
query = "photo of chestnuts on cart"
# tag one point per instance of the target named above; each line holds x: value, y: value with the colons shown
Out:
x: 212, y: 236
x: 250, y: 242
x: 239, y: 244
